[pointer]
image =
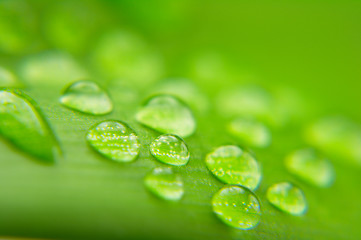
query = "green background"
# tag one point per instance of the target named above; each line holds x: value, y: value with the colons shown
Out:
x: 311, y: 47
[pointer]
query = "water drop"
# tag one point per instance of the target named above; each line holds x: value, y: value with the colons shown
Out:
x: 288, y: 198
x: 186, y: 90
x: 51, y: 68
x: 250, y: 132
x: 337, y: 137
x: 24, y: 126
x: 251, y: 101
x: 170, y: 149
x: 8, y: 79
x: 167, y: 114
x: 87, y: 97
x: 165, y: 184
x: 114, y: 140
x: 237, y: 207
x: 310, y: 167
x: 245, y: 101
x: 232, y: 165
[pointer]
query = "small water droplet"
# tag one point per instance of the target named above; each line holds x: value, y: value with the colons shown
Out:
x: 338, y: 137
x: 88, y: 97
x: 24, y: 126
x: 310, y: 167
x: 170, y: 149
x: 114, y: 140
x: 186, y: 90
x: 51, y: 68
x: 288, y: 198
x: 165, y: 184
x: 245, y: 101
x: 252, y: 101
x: 167, y: 114
x: 237, y: 207
x: 250, y: 132
x: 232, y: 165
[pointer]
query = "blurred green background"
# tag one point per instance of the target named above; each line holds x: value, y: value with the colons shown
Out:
x: 309, y: 49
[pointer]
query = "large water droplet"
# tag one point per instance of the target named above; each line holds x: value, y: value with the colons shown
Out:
x: 87, y: 97
x: 237, y: 207
x: 337, y: 137
x: 310, y: 167
x: 24, y: 126
x: 165, y: 184
x: 167, y: 114
x: 232, y: 165
x: 114, y: 140
x: 288, y: 198
x: 170, y: 149
x: 8, y: 79
x: 250, y: 132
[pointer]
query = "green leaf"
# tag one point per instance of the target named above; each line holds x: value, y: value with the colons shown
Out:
x: 309, y: 49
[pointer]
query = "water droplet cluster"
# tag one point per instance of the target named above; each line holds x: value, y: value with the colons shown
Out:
x: 235, y: 204
x: 251, y: 115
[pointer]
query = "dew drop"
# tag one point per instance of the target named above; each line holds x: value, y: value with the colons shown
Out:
x: 245, y: 100
x: 288, y: 198
x: 250, y: 132
x: 24, y: 126
x: 164, y: 183
x: 253, y: 101
x: 232, y: 165
x: 51, y: 68
x: 167, y: 114
x: 114, y: 140
x: 310, y: 167
x: 185, y: 90
x: 237, y: 207
x: 88, y: 97
x: 170, y: 149
x: 338, y: 137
